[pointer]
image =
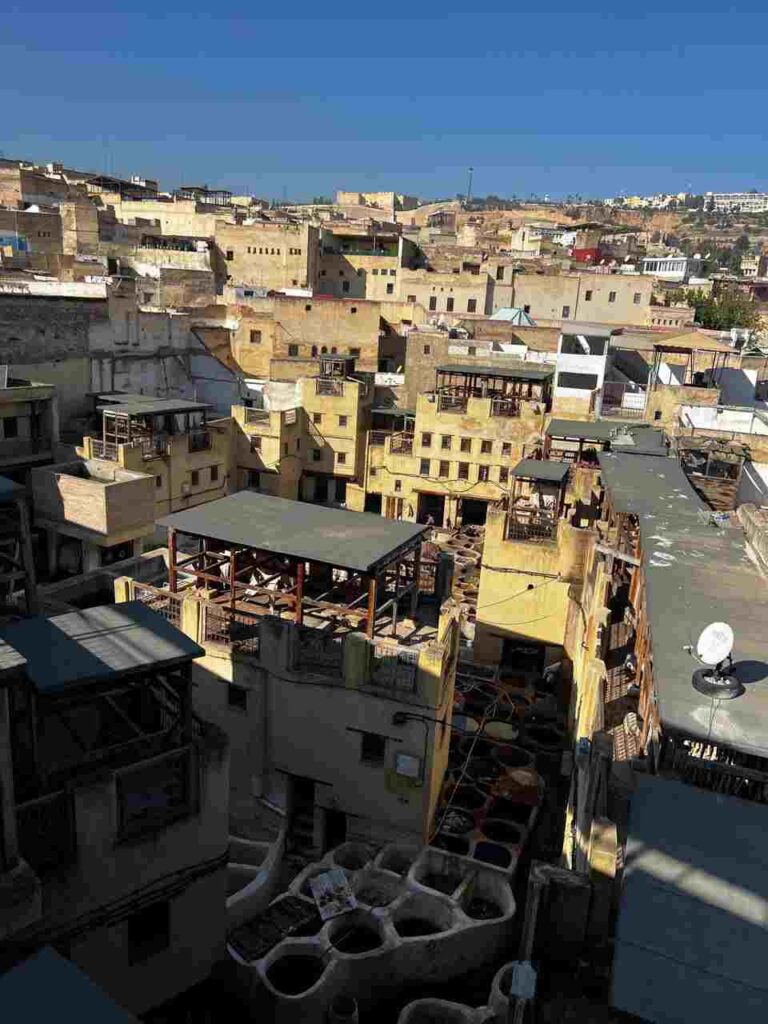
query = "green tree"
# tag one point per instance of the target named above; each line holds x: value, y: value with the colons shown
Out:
x: 729, y: 308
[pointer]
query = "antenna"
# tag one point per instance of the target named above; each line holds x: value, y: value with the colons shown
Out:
x: 469, y: 186
x: 713, y: 650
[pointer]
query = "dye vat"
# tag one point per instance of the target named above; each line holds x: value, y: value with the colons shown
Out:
x: 510, y: 758
x: 502, y: 831
x: 295, y: 973
x: 492, y: 853
x: 355, y: 933
x: 510, y: 810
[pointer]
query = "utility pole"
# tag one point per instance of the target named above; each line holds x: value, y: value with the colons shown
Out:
x: 469, y: 186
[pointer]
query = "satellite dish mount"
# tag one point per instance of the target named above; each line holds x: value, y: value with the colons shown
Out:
x: 713, y: 649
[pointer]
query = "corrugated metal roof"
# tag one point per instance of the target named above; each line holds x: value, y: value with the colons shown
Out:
x: 521, y: 372
x: 542, y: 469
x: 359, y: 541
x: 143, y: 405
x: 692, y: 932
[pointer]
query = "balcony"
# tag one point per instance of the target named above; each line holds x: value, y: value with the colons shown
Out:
x: 329, y: 386
x: 106, y: 450
x: 452, y: 403
x: 378, y: 438
x: 199, y: 440
x: 507, y: 407
x: 401, y: 444
x: 531, y: 525
x: 94, y: 497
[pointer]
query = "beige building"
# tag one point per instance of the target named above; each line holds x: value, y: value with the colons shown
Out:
x: 389, y: 202
x: 363, y: 263
x: 448, y: 294
x: 596, y: 298
x: 268, y: 255
x: 29, y: 424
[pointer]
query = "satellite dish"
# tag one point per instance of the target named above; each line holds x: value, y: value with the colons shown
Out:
x: 715, y: 643
x: 713, y: 649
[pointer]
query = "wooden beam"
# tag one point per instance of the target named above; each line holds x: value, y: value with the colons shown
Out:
x: 299, y: 618
x: 371, y: 620
x: 605, y: 550
x: 172, y: 580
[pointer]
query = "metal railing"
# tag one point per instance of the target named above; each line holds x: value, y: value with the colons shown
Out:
x: 199, y: 440
x: 317, y: 650
x: 152, y: 794
x: 329, y: 386
x: 161, y: 601
x: 451, y: 403
x: 104, y: 449
x: 236, y: 630
x: 394, y: 667
x: 401, y: 444
x: 257, y: 415
x: 378, y: 438
x: 531, y: 525
x: 154, y: 447
x: 505, y: 407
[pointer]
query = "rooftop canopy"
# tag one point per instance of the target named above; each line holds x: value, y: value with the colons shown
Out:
x: 357, y: 541
x: 618, y: 434
x: 521, y: 372
x: 545, y: 470
x: 145, y: 405
x: 691, y: 341
x: 97, y: 645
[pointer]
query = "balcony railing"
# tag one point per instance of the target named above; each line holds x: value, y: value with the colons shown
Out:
x: 46, y: 831
x: 505, y: 407
x: 377, y: 438
x: 257, y: 416
x: 227, y: 628
x: 451, y: 403
x: 394, y: 668
x: 329, y: 386
x: 531, y: 525
x: 401, y: 444
x: 154, y: 447
x: 104, y: 449
x: 319, y: 651
x: 154, y: 793
x: 199, y: 440
x: 161, y: 601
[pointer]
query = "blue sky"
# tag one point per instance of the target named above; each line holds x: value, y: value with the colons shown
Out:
x: 550, y: 97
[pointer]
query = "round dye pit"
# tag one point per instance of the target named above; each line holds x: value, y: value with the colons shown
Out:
x: 456, y: 822
x: 512, y: 757
x: 396, y: 860
x: 452, y: 844
x: 411, y: 927
x: 483, y: 770
x: 510, y: 810
x: 295, y: 973
x: 501, y: 831
x: 351, y: 857
x: 480, y: 909
x: 501, y: 731
x: 468, y: 798
x: 547, y: 737
x: 492, y: 853
x: 354, y: 934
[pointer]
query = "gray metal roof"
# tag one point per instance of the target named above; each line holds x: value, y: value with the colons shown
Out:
x: 359, y: 541
x: 144, y: 405
x: 10, y: 490
x: 47, y: 987
x: 96, y: 645
x: 548, y: 470
x: 695, y: 573
x: 619, y: 434
x: 692, y: 937
x: 584, y: 430
x: 522, y: 372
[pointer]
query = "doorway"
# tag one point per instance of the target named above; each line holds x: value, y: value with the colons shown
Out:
x: 373, y: 503
x: 473, y: 512
x: 301, y: 812
x: 334, y: 828
x: 431, y: 505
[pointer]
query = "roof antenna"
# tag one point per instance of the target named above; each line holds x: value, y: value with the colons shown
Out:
x: 713, y: 651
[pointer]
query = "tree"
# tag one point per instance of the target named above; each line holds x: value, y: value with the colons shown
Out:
x: 729, y: 308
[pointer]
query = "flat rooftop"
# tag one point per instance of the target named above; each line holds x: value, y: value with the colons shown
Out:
x: 691, y: 938
x: 547, y: 470
x: 535, y: 373
x: 695, y: 572
x: 96, y: 645
x: 144, y: 405
x: 357, y: 541
x: 620, y: 434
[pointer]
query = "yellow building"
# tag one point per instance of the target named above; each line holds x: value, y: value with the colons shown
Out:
x: 468, y: 434
x: 171, y: 439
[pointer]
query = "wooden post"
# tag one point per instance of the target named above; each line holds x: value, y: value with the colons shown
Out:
x: 172, y: 559
x: 371, y: 607
x: 232, y: 577
x: 27, y: 557
x: 299, y: 616
x: 416, y: 580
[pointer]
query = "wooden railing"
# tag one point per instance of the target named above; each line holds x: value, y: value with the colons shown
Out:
x: 531, y: 525
x: 161, y: 601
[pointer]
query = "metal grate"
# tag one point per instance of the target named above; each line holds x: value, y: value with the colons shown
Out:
x: 328, y: 386
x: 104, y: 450
x: 531, y: 526
x: 160, y: 601
x: 319, y: 650
x: 394, y: 668
x: 233, y: 629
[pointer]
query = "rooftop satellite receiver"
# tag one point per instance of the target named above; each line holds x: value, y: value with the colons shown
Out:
x: 713, y: 650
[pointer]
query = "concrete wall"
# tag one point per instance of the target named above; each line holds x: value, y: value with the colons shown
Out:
x: 429, y: 288
x: 269, y: 255
x: 587, y: 296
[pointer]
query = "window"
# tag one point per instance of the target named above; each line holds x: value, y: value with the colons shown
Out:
x: 11, y: 426
x: 410, y: 298
x: 390, y: 289
x: 472, y: 350
x: 298, y: 443
x: 341, y: 273
x: 316, y: 455
x: 398, y: 485
x: 253, y: 479
x: 285, y: 448
x: 471, y: 305
x: 147, y: 298
x: 527, y: 309
x: 506, y: 449
x: 341, y: 458
x: 314, y: 350
x: 427, y: 350
x: 566, y: 312
x: 214, y: 474
x: 149, y: 931
x: 353, y: 309
x: 637, y: 298
x: 373, y: 748
x: 503, y: 475
x: 424, y: 467
x: 237, y: 697
x: 317, y: 417
x: 194, y: 477
x: 444, y: 469
x: 375, y: 272
x: 345, y: 286
x: 611, y: 296
x: 293, y: 350
x: 230, y: 254
x: 255, y: 444
x: 445, y: 442
x: 580, y: 381
x: 372, y: 471
x: 588, y: 295
x: 426, y: 440
x: 433, y: 302
x: 255, y: 337
x: 343, y: 421
x: 486, y: 447
x: 482, y: 474
x: 499, y: 273
x: 355, y: 353
x: 158, y: 481
x: 333, y: 350
x: 359, y: 271
x: 463, y: 471
x: 449, y: 305
x: 308, y: 308
x: 392, y: 273
x: 466, y: 444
